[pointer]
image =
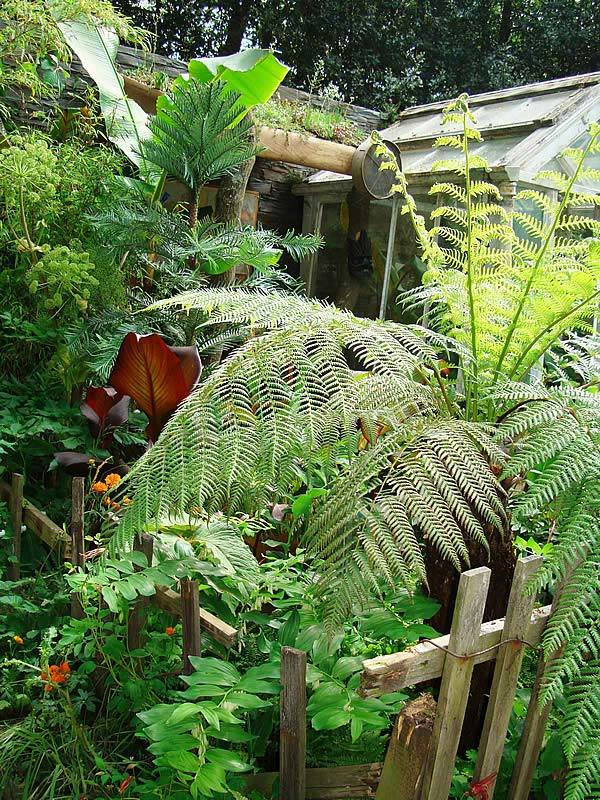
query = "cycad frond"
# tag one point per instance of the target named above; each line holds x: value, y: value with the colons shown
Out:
x: 197, y: 135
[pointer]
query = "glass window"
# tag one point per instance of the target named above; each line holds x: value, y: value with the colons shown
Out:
x: 350, y: 268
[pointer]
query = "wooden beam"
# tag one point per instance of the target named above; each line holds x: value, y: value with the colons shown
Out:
x: 305, y: 151
x: 506, y: 673
x: 77, y: 537
x: 41, y: 525
x: 300, y: 149
x: 326, y: 783
x: 170, y: 601
x: 456, y: 682
x: 292, y: 725
x: 15, y: 507
x: 425, y: 662
x: 190, y: 621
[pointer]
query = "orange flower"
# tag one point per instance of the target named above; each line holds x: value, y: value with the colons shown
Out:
x: 48, y: 687
x: 57, y: 673
x: 18, y: 639
x: 126, y: 501
x: 112, y: 479
x: 64, y: 668
x: 99, y: 487
x: 169, y: 631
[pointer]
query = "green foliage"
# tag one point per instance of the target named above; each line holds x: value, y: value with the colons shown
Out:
x: 325, y: 123
x: 64, y: 278
x: 197, y: 135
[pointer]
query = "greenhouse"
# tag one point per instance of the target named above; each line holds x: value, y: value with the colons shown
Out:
x: 524, y: 132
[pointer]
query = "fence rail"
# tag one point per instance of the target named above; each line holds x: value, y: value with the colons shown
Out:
x: 422, y: 752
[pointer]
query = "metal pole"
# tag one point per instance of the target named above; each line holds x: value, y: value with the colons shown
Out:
x: 389, y: 257
x: 310, y: 282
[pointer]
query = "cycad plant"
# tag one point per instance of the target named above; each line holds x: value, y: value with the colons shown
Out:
x: 436, y: 461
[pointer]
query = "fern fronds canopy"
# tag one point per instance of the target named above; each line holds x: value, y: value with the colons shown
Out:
x: 304, y: 381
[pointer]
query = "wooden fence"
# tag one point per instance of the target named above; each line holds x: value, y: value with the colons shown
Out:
x: 424, y: 742
x: 182, y: 605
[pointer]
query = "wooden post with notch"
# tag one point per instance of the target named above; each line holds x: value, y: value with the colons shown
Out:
x: 456, y: 680
x: 506, y: 672
x: 15, y: 507
x: 190, y: 622
x: 77, y: 536
x: 137, y: 616
x: 292, y: 727
x: 407, y: 751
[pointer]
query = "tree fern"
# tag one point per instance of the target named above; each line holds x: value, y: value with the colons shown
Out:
x: 506, y: 298
x: 306, y: 379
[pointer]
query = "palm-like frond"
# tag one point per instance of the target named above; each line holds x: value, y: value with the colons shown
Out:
x: 306, y: 379
x: 555, y: 437
x: 197, y: 135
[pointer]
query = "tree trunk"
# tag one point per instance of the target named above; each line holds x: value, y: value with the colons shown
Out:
x: 229, y: 203
x: 443, y: 584
x: 505, y: 22
x: 238, y: 20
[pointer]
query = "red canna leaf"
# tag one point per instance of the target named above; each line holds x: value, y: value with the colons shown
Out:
x: 157, y: 377
x: 104, y: 408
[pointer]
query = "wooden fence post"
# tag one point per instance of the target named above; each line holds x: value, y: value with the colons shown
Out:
x: 190, y: 621
x: 506, y: 673
x: 456, y: 680
x: 137, y: 616
x: 77, y: 536
x: 292, y: 727
x: 15, y: 507
x: 536, y: 720
x: 407, y: 752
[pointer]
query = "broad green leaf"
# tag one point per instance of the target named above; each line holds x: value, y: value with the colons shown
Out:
x: 96, y: 48
x: 209, y: 779
x: 226, y: 759
x: 356, y: 728
x: 345, y: 666
x: 180, y: 760
x: 110, y: 598
x: 179, y: 742
x: 230, y: 733
x: 244, y: 700
x: 254, y: 74
x: 330, y: 718
x: 183, y: 711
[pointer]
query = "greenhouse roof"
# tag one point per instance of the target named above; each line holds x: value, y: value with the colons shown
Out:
x: 524, y: 130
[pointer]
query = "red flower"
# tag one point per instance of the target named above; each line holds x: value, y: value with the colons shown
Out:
x: 169, y: 631
x: 124, y: 784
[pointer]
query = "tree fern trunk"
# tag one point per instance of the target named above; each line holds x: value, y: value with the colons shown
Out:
x: 443, y: 585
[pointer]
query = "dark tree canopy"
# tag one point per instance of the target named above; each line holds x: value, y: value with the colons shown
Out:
x: 382, y: 53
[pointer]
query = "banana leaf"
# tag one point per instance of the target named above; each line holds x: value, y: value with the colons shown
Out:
x: 254, y: 74
x: 96, y: 48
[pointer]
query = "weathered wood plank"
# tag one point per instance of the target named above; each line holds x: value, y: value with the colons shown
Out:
x: 407, y: 751
x: 424, y: 662
x: 170, y: 601
x: 506, y: 673
x: 190, y: 621
x: 77, y: 536
x: 456, y: 680
x: 326, y: 783
x: 292, y: 725
x: 15, y: 507
x: 137, y: 615
x: 36, y: 521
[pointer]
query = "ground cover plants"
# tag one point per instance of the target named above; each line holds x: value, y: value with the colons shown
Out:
x: 320, y: 475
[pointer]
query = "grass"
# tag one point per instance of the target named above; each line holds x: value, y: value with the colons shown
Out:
x: 329, y: 124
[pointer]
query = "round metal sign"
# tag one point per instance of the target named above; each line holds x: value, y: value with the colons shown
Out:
x: 367, y: 175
